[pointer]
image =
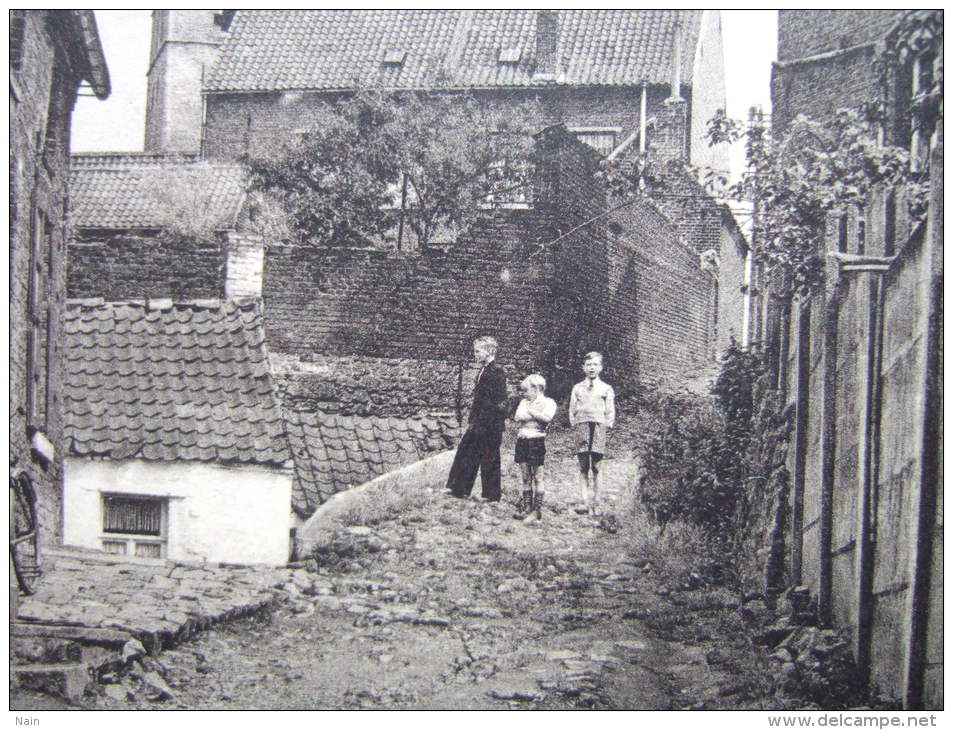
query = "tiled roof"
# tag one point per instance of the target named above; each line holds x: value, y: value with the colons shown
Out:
x: 269, y: 50
x: 115, y: 191
x: 164, y: 382
x: 333, y: 452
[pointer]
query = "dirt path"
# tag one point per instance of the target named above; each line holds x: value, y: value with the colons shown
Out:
x: 458, y: 606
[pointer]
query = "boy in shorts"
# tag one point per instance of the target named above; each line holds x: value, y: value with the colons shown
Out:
x: 591, y: 413
x: 533, y: 415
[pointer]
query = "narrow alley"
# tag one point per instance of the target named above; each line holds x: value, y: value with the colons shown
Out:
x: 450, y: 605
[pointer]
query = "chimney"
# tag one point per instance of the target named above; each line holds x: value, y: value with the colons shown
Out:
x: 547, y: 36
x: 244, y: 266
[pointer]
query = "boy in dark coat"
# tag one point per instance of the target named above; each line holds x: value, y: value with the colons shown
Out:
x: 480, y: 446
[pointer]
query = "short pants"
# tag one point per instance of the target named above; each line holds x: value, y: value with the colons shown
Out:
x: 590, y: 436
x: 531, y: 451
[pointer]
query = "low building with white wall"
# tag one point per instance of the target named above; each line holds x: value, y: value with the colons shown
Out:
x: 177, y: 445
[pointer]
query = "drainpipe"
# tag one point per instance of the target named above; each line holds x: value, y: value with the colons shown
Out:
x: 643, y: 126
x: 801, y: 425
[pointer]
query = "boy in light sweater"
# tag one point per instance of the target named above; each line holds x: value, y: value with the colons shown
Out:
x: 591, y: 413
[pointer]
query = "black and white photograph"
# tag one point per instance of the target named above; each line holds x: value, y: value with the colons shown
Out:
x: 476, y: 360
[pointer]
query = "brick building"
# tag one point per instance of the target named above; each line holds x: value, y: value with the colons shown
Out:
x: 53, y: 54
x: 605, y: 74
x: 856, y: 364
x: 552, y: 278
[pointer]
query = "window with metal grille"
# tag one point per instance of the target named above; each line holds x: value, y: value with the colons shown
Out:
x: 133, y: 515
x: 134, y: 525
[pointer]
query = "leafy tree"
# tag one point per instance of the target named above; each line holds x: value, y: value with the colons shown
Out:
x: 796, y: 181
x: 373, y: 160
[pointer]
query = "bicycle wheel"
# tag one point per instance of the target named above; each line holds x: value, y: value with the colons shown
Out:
x: 23, y: 538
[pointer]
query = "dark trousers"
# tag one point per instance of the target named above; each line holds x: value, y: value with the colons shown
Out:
x: 478, y: 449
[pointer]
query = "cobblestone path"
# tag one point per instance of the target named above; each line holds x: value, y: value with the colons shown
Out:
x: 455, y: 605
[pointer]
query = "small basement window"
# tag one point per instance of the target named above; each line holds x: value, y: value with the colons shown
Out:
x: 134, y: 525
x: 394, y: 57
x: 509, y: 55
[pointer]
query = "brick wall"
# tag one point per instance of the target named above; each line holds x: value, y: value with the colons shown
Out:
x: 731, y: 278
x: 673, y: 298
x: 549, y: 283
x: 819, y: 87
x: 119, y: 266
x: 39, y: 149
x: 372, y: 386
x: 239, y: 123
x: 803, y: 33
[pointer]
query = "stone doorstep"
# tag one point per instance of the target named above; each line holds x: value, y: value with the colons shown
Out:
x: 67, y: 680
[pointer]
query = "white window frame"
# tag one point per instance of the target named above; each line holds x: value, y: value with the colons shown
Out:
x: 592, y: 131
x: 131, y: 541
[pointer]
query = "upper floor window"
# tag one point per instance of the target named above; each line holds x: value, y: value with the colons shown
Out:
x: 602, y: 139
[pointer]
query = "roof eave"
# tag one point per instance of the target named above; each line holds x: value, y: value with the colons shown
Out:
x: 97, y: 71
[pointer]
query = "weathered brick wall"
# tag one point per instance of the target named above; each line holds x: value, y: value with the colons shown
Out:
x: 393, y: 305
x: 119, y: 266
x: 39, y: 176
x: 672, y: 298
x: 240, y: 123
x: 820, y: 87
x: 373, y: 386
x: 803, y: 33
x: 550, y: 283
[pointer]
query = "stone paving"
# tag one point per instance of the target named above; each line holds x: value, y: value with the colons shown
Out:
x: 159, y: 602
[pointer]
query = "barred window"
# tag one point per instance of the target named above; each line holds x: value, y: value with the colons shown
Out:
x: 133, y: 515
x: 134, y: 525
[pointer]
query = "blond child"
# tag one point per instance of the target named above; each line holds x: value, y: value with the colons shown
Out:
x: 591, y: 413
x: 532, y: 416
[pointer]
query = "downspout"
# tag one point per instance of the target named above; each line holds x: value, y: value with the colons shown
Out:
x: 643, y: 124
x: 801, y: 425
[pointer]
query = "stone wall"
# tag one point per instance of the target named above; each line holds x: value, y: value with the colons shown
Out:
x: 42, y: 93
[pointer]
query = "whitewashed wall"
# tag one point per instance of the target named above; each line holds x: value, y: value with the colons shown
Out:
x: 216, y: 513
